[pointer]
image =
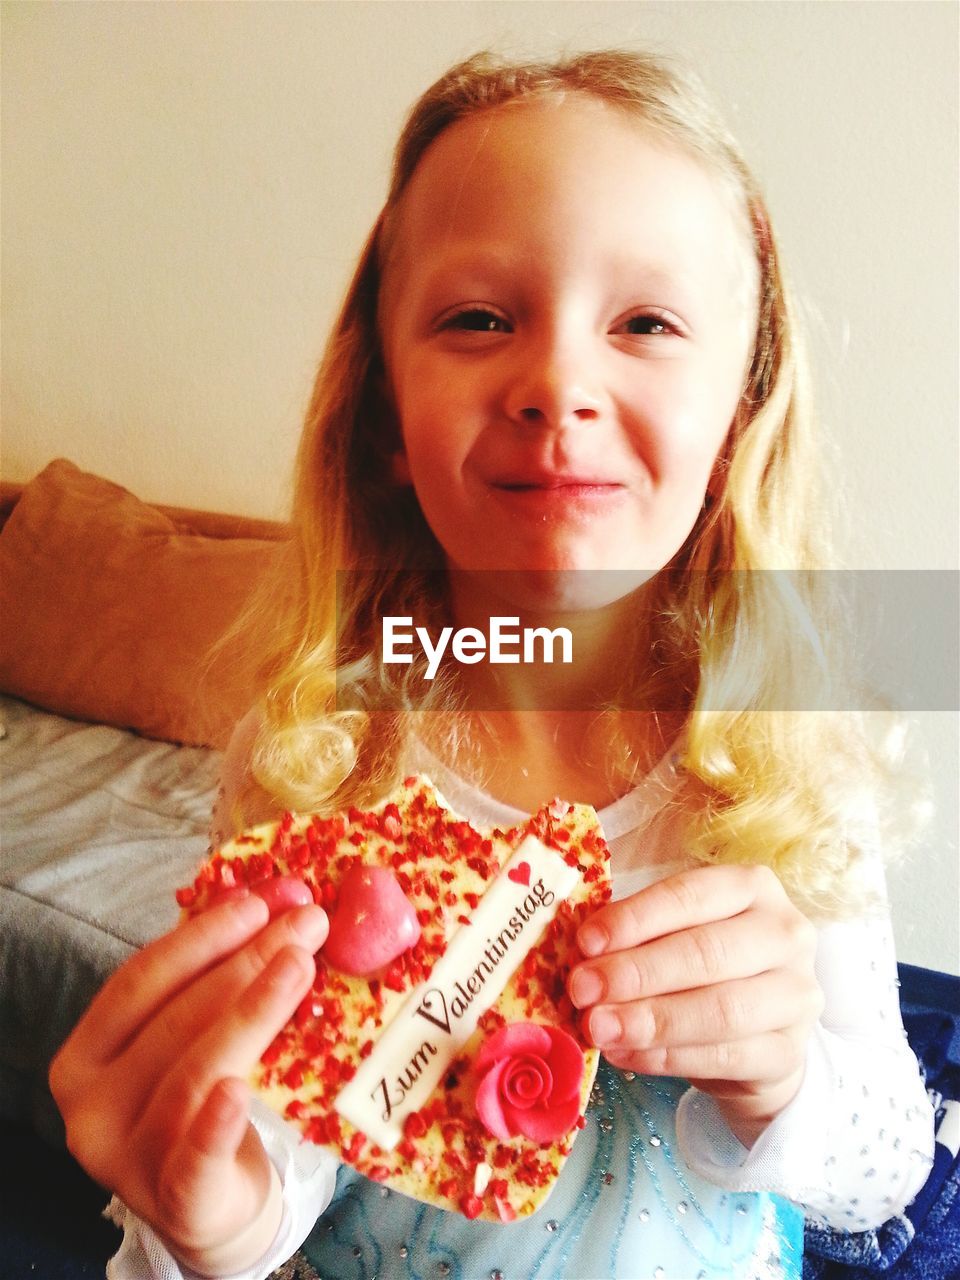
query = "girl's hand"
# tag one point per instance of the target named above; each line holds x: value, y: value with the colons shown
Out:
x: 707, y: 975
x: 150, y: 1082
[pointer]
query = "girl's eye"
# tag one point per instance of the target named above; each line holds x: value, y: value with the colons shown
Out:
x: 476, y: 320
x: 646, y: 325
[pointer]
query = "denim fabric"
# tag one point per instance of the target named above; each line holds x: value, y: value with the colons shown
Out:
x: 924, y: 1243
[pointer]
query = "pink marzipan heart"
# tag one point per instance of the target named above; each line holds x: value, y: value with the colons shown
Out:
x: 520, y: 873
x: 373, y: 924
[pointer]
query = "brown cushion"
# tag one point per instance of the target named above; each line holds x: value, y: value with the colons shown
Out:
x: 108, y: 612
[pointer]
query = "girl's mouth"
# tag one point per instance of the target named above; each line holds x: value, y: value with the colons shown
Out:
x: 570, y: 486
x: 560, y: 497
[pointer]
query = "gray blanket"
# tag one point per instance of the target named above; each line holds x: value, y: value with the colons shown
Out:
x: 99, y: 827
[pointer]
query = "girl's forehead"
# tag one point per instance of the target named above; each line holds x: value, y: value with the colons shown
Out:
x: 559, y: 168
x: 522, y: 147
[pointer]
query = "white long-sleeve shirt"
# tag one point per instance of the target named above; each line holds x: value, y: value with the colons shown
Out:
x: 852, y: 1148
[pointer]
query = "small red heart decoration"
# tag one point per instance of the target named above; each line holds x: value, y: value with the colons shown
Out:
x: 373, y: 924
x: 520, y: 873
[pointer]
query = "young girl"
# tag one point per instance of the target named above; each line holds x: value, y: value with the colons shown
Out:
x: 565, y: 388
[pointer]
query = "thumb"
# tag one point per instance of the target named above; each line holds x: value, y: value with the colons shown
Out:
x: 217, y: 1178
x: 219, y: 1126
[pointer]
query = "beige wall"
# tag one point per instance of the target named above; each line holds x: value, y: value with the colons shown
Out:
x: 186, y: 186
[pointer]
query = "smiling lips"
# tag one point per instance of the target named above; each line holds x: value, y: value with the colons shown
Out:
x: 537, y: 479
x: 559, y: 482
x: 558, y: 494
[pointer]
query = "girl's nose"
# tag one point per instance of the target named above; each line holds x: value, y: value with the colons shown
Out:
x: 554, y: 388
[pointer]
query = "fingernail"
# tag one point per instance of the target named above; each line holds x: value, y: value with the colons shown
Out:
x: 587, y: 987
x: 236, y: 894
x: 620, y: 1058
x: 592, y: 939
x: 605, y: 1027
x: 251, y: 909
x: 310, y: 924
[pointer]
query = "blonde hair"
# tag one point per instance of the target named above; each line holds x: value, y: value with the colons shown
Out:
x: 739, y: 607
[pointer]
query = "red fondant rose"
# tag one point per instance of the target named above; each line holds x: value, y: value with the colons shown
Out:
x: 531, y: 1078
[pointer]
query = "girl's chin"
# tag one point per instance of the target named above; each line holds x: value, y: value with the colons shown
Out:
x: 550, y: 587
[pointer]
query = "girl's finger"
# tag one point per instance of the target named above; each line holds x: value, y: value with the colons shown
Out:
x: 152, y: 976
x: 280, y: 893
x: 201, y: 1182
x: 189, y: 1015
x: 757, y: 1060
x: 699, y: 956
x: 680, y: 901
x: 218, y: 1128
x: 234, y: 1041
x: 730, y: 1011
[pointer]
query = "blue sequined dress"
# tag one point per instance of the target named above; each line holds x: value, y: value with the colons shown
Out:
x: 625, y: 1206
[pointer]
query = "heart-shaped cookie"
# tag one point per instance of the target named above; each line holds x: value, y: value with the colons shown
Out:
x: 374, y: 922
x: 455, y: 1073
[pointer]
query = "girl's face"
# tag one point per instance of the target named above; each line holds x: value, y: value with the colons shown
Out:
x: 568, y: 315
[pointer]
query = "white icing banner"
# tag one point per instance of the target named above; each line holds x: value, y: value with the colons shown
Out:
x: 440, y: 1015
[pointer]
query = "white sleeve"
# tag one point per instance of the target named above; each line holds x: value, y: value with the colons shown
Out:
x: 856, y: 1144
x: 308, y: 1174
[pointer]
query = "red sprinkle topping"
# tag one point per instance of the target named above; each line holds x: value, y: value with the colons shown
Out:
x: 293, y: 1076
x: 414, y: 1126
x: 353, y: 1148
x: 471, y: 1206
